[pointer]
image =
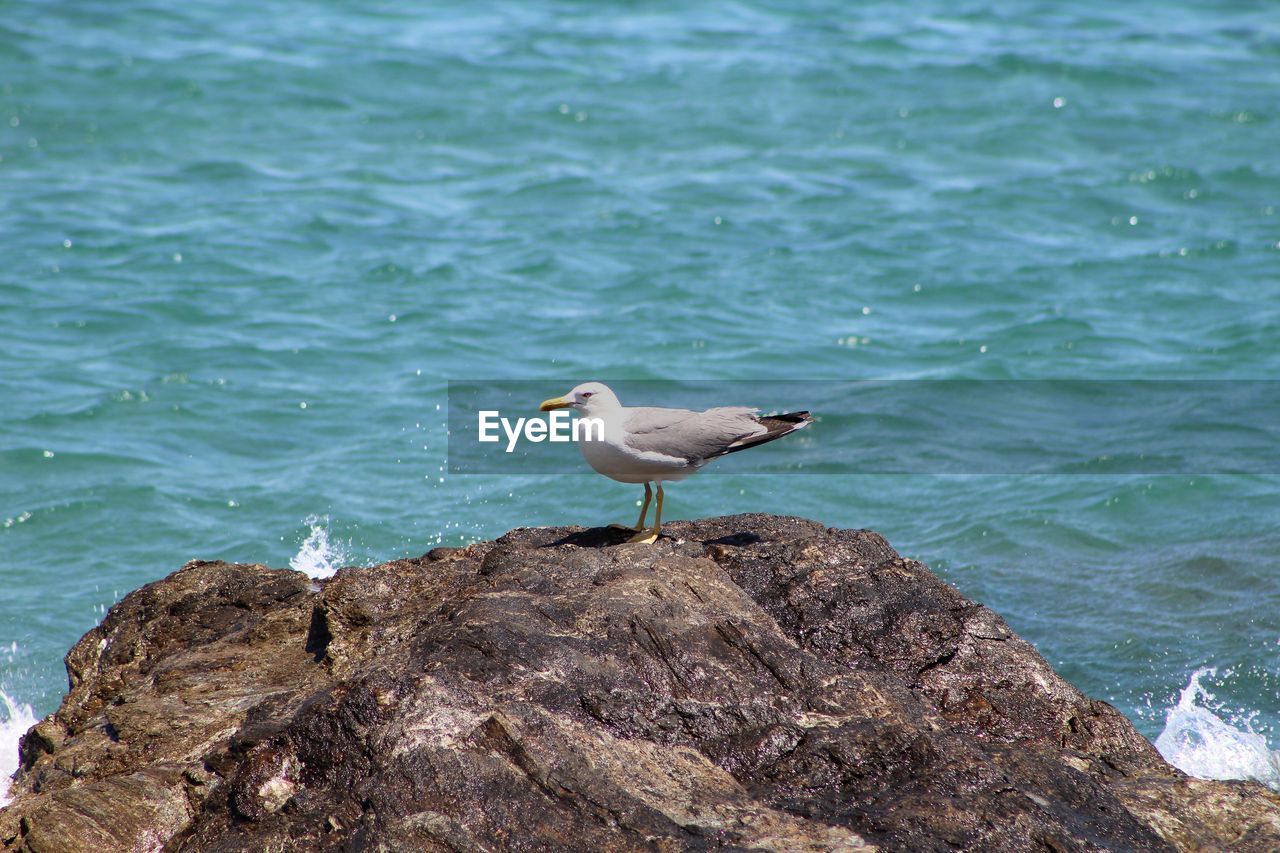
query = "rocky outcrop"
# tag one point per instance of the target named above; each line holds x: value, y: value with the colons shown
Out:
x: 746, y: 682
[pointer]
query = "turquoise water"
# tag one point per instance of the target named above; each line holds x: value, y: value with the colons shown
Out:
x: 245, y: 246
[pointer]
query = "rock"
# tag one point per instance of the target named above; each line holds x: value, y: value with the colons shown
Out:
x: 749, y: 682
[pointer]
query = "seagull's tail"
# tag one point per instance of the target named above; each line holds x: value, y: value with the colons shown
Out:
x: 776, y: 426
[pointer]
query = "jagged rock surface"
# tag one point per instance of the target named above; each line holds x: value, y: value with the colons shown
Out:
x: 751, y: 682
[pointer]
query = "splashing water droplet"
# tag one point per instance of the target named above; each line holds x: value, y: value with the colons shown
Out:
x: 15, y: 719
x: 317, y: 556
x: 1200, y: 743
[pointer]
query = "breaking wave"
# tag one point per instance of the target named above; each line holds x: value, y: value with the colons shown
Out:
x: 1203, y: 744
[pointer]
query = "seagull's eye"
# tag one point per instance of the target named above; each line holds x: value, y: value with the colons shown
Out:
x: 586, y: 394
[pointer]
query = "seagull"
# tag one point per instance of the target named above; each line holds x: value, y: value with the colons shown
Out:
x: 643, y: 444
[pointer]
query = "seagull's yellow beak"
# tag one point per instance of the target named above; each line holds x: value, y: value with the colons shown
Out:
x: 555, y: 403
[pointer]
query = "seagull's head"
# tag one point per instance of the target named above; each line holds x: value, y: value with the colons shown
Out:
x: 586, y: 398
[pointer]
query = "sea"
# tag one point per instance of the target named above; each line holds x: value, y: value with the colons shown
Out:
x: 245, y: 248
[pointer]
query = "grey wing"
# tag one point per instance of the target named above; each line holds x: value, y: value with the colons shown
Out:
x: 693, y: 436
x: 647, y: 419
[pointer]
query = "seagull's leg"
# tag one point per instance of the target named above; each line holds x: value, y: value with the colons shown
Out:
x: 644, y: 510
x: 644, y: 507
x: 651, y: 535
x: 657, y: 514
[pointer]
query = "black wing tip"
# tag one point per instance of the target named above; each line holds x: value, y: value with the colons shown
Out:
x: 777, y: 426
x: 800, y: 418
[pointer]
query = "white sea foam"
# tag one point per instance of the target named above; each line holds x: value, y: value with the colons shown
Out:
x: 319, y: 556
x: 1200, y: 743
x: 15, y: 719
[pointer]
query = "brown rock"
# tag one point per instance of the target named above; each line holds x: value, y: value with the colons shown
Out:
x: 747, y: 682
